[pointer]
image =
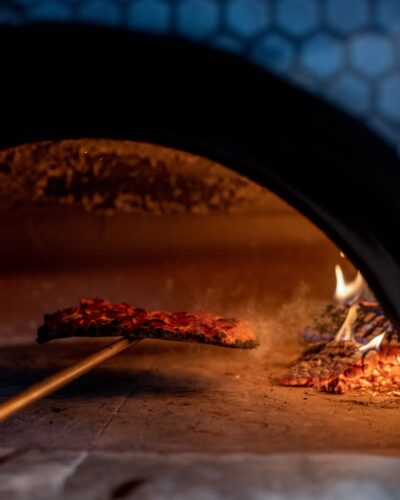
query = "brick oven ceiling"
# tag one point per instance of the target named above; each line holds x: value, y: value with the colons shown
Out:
x: 64, y: 82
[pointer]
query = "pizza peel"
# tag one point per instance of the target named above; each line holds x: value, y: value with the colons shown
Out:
x: 99, y: 318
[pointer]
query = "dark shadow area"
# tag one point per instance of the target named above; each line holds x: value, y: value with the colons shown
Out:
x: 22, y: 366
x: 128, y: 487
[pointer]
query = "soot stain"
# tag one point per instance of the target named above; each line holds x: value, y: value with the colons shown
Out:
x: 127, y: 487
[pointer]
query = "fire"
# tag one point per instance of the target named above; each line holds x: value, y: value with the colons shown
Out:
x: 340, y: 363
x: 373, y: 344
x: 348, y: 293
x: 368, y: 368
x: 351, y: 293
x: 346, y: 330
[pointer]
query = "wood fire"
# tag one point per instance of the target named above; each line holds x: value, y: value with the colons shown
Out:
x: 353, y: 346
x: 341, y: 366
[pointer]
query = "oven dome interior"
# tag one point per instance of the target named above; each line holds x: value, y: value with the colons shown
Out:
x: 155, y: 227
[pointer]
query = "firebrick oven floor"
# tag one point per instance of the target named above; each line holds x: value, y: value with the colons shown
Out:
x: 165, y: 419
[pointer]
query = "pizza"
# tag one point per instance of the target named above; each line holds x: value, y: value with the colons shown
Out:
x: 100, y: 318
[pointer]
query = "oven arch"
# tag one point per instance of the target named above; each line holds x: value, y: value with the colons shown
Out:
x: 72, y: 82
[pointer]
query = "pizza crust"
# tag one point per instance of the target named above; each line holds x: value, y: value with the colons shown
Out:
x: 100, y: 318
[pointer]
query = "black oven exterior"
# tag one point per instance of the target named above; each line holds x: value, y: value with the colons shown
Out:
x: 78, y: 81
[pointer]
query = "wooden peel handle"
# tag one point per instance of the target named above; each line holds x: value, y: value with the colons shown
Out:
x: 64, y: 377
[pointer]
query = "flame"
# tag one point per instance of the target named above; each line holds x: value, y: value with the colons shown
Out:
x: 348, y: 293
x: 346, y: 330
x: 373, y: 344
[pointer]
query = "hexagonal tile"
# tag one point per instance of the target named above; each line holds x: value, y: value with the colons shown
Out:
x: 322, y: 55
x: 198, y: 18
x: 389, y: 97
x: 247, y: 17
x: 372, y: 54
x: 49, y: 11
x: 297, y: 17
x: 99, y: 11
x: 274, y: 52
x: 150, y: 15
x: 346, y: 16
x: 351, y: 93
x: 388, y: 14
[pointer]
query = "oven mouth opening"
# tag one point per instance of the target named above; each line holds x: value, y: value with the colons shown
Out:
x: 165, y: 230
x: 242, y: 127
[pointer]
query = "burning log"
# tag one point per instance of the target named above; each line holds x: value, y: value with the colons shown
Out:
x: 370, y: 322
x: 349, y: 353
x: 101, y: 318
x: 321, y: 363
x: 340, y: 366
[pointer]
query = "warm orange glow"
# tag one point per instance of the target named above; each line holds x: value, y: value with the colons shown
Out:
x: 373, y: 344
x: 348, y: 293
x: 344, y: 364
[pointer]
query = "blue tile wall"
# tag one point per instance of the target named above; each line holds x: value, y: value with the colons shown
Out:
x: 347, y: 51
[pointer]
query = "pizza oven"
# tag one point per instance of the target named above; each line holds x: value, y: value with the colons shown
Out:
x: 174, y: 177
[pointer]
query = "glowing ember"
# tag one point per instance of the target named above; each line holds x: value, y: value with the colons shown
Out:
x: 339, y: 367
x: 364, y: 354
x: 348, y: 293
x: 373, y: 371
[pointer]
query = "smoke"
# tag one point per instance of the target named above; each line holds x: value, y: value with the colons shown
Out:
x: 279, y: 331
x: 278, y: 322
